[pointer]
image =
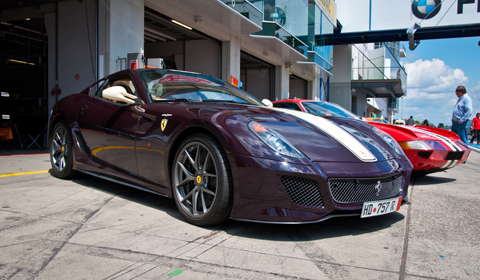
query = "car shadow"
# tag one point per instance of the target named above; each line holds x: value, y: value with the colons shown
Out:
x: 335, y: 227
x: 142, y: 197
x: 332, y: 228
x: 430, y: 179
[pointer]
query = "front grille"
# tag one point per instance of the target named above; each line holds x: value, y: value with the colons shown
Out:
x: 303, y: 192
x: 454, y: 155
x: 362, y: 190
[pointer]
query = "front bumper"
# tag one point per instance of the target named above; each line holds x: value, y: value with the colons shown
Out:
x: 277, y: 192
x: 424, y: 161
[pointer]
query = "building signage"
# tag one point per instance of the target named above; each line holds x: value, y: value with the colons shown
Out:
x: 329, y: 7
x: 378, y: 15
x: 426, y: 9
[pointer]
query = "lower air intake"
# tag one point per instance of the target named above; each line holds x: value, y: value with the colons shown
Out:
x: 303, y: 192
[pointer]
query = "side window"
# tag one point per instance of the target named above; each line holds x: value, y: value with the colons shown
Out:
x: 288, y: 105
x: 94, y: 89
x: 294, y: 106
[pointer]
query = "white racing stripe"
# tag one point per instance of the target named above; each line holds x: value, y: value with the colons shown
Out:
x: 449, y: 164
x: 451, y: 144
x: 330, y: 128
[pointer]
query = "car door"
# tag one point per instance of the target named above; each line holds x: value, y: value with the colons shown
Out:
x: 109, y: 128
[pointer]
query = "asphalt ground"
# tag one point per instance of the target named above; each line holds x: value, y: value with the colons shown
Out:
x: 88, y: 228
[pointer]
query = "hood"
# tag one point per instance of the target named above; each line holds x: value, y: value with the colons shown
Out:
x: 321, y: 139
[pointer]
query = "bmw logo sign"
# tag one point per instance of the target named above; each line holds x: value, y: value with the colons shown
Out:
x: 425, y: 9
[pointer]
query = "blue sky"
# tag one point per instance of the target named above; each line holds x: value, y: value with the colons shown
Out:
x: 435, y: 68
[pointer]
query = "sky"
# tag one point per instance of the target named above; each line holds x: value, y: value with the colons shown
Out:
x: 435, y: 68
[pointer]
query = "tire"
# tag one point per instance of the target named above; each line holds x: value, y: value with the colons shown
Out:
x: 201, y: 181
x: 61, y: 152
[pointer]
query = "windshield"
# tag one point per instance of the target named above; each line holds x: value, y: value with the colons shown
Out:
x: 167, y: 85
x: 377, y: 120
x: 327, y: 109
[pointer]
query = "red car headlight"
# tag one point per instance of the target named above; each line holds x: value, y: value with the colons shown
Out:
x: 440, y: 151
x: 415, y: 145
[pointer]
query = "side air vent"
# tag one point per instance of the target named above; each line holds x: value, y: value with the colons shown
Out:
x: 303, y: 192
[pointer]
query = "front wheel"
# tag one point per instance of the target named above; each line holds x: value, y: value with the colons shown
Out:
x: 61, y: 152
x: 201, y: 181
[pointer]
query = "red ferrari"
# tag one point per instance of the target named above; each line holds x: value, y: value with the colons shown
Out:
x: 429, y: 149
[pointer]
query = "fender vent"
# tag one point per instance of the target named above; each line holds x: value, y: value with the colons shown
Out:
x: 81, y: 142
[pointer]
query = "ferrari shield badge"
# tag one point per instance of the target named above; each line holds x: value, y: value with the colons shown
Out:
x: 163, y: 125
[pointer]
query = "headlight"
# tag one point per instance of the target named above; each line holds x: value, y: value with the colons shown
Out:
x: 274, y: 140
x: 389, y: 139
x: 414, y: 145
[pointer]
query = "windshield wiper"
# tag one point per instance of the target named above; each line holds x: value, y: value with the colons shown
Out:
x: 222, y: 100
x: 172, y: 100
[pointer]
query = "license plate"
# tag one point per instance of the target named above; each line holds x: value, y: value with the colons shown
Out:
x: 381, y: 207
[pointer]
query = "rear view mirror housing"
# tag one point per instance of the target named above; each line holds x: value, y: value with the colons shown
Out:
x: 118, y: 94
x: 267, y: 103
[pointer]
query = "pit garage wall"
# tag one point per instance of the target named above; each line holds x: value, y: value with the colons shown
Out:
x: 124, y: 31
x: 120, y: 32
x: 75, y: 51
x: 121, y: 27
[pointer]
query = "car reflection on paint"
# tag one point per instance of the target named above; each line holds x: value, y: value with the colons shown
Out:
x: 221, y: 153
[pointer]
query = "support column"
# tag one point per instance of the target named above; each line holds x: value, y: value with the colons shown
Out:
x: 282, y: 82
x: 315, y: 87
x: 50, y: 27
x: 340, y: 82
x: 124, y: 31
x: 231, y: 59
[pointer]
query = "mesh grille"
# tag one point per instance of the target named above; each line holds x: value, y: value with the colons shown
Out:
x: 303, y: 192
x: 362, y: 190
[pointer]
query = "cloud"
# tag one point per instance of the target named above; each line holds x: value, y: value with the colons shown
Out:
x: 418, y: 93
x: 434, y: 76
x: 431, y: 90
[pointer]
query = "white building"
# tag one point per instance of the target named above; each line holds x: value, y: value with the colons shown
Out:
x: 370, y: 78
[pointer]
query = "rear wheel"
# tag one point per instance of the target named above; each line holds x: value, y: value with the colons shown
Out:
x: 61, y: 152
x: 201, y: 181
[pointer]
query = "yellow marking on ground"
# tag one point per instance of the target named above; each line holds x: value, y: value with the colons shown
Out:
x: 24, y: 173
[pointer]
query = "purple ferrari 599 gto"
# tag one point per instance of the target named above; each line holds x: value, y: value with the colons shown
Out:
x: 221, y: 153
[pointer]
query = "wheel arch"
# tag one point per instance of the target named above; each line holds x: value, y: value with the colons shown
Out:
x: 53, y: 121
x: 189, y: 131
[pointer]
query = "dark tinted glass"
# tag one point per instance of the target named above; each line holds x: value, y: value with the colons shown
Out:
x: 327, y: 109
x: 161, y: 85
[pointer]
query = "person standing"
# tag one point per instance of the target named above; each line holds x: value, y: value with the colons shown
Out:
x: 476, y: 129
x: 461, y: 113
x: 373, y: 115
x: 410, y: 121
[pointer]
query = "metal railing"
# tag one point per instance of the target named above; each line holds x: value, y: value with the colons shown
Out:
x: 384, y: 67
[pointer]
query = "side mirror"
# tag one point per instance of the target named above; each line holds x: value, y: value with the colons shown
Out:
x: 268, y: 103
x: 118, y: 93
